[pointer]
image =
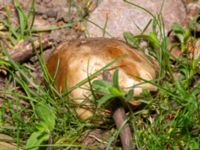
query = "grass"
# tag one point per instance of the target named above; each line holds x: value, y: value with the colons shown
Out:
x: 36, y: 114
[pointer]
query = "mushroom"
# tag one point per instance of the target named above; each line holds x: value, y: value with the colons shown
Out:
x: 73, y: 61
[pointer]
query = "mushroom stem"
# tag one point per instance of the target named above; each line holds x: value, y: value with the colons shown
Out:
x: 119, y: 117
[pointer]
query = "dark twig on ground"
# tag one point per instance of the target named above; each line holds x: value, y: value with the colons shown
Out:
x: 26, y: 50
x: 119, y: 117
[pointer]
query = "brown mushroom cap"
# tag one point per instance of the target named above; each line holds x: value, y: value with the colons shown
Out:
x: 74, y: 61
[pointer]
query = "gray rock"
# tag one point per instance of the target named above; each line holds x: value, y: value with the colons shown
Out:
x: 121, y: 16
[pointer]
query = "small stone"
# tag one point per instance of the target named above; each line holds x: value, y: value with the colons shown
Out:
x: 51, y: 13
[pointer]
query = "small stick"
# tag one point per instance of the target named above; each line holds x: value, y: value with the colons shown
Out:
x: 26, y: 51
x: 119, y: 117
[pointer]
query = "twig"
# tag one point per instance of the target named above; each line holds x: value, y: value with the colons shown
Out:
x: 119, y: 117
x: 22, y: 54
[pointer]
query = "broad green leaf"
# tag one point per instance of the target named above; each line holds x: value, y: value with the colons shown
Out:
x: 151, y: 38
x: 116, y: 92
x: 101, y: 86
x: 42, y: 127
x: 130, y: 39
x: 180, y: 37
x: 154, y: 40
x: 177, y: 28
x: 105, y: 99
x: 102, y: 83
x: 186, y: 33
x: 179, y: 32
x: 129, y: 95
x: 116, y: 79
x: 35, y: 140
x: 46, y: 115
